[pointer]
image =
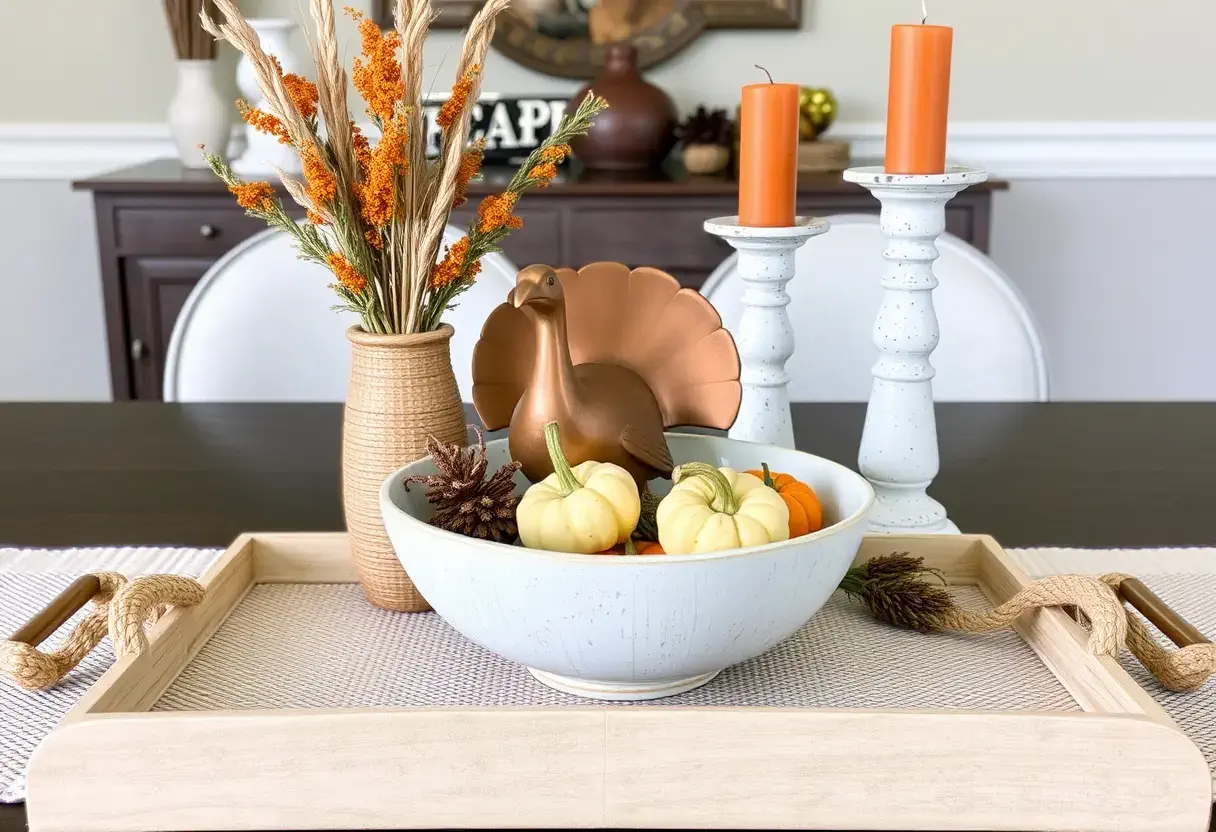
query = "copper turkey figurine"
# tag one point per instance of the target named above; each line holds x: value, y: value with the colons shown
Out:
x: 613, y: 356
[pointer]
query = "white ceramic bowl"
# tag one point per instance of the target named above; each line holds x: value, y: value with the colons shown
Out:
x: 641, y: 627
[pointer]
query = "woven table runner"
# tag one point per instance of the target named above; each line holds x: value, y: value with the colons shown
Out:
x: 842, y: 658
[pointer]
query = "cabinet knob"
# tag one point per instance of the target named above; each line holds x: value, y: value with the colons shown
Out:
x: 137, y: 349
x: 207, y: 230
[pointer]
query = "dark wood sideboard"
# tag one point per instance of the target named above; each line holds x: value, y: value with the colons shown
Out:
x: 161, y: 226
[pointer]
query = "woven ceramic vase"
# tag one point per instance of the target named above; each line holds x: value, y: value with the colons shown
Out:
x: 402, y: 390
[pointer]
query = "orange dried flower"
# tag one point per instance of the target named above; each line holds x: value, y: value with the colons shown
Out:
x: 263, y: 122
x: 555, y: 153
x: 377, y: 76
x: 453, y: 267
x: 253, y: 196
x: 322, y: 185
x: 377, y: 191
x: 374, y: 239
x: 363, y: 150
x: 450, y: 112
x: 470, y: 163
x: 303, y: 93
x: 494, y: 212
x: 346, y: 273
x: 543, y: 173
x: 314, y: 218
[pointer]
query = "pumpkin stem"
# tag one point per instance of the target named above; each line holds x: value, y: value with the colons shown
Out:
x: 561, y: 466
x: 724, y: 499
x: 630, y: 549
x: 768, y: 477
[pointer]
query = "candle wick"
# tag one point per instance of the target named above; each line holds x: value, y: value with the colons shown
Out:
x: 924, y: 12
x: 766, y: 72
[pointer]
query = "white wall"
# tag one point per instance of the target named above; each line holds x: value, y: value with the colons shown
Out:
x: 1070, y: 60
x: 1121, y: 278
x: 1118, y: 272
x: 52, y: 331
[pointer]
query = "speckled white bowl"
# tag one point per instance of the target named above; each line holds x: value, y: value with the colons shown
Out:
x: 642, y: 627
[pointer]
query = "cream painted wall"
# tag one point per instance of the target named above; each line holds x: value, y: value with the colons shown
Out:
x: 1066, y: 60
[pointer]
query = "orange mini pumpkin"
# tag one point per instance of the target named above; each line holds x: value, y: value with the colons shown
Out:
x: 806, y: 512
x: 640, y: 547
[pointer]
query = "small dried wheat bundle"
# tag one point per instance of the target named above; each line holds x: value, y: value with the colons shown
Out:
x: 376, y: 213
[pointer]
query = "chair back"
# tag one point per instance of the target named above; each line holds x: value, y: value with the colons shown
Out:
x: 261, y: 327
x: 990, y: 348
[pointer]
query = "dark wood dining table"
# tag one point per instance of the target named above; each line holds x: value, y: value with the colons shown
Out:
x: 1059, y: 474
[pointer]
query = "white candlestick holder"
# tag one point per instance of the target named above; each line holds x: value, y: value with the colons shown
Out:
x: 765, y: 337
x: 899, y: 453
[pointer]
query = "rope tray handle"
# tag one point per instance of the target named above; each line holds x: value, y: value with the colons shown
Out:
x: 120, y: 607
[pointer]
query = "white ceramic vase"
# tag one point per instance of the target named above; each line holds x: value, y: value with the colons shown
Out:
x: 264, y: 153
x: 197, y: 113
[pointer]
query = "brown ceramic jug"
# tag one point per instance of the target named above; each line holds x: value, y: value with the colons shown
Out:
x: 637, y: 131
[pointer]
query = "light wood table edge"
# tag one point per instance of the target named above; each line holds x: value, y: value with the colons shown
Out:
x: 636, y: 767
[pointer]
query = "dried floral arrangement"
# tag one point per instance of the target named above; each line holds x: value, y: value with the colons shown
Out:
x: 376, y: 213
x: 190, y: 41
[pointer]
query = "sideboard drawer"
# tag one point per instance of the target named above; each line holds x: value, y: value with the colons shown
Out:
x: 652, y: 235
x: 193, y: 231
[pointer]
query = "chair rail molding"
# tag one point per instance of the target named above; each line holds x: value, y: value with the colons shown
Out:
x: 1066, y: 149
x: 1009, y: 150
x: 78, y: 150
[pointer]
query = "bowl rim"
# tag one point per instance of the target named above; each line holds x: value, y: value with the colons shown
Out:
x: 693, y: 557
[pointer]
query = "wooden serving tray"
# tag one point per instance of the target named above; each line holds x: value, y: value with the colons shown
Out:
x: 1116, y: 762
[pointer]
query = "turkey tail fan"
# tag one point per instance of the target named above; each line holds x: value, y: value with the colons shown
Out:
x: 502, y: 365
x: 672, y: 337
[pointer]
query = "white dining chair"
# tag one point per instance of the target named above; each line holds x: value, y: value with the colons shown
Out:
x: 260, y: 327
x: 990, y: 348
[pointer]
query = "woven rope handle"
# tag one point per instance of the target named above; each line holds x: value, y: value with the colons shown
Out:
x: 119, y: 607
x: 1111, y: 626
x: 146, y: 599
x: 1185, y: 669
x: 1100, y: 603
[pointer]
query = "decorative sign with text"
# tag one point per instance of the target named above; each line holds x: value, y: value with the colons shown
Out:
x: 513, y: 126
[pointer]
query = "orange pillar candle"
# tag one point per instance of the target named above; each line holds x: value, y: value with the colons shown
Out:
x: 768, y: 155
x: 919, y: 99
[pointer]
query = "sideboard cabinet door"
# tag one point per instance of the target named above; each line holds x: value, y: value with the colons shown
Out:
x: 156, y: 288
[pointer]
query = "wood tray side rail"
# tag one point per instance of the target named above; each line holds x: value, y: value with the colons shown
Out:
x: 1121, y: 764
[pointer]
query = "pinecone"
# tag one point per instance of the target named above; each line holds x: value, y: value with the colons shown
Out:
x: 705, y: 127
x: 465, y: 500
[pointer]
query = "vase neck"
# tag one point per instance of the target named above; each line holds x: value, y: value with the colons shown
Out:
x: 195, y: 68
x: 620, y: 59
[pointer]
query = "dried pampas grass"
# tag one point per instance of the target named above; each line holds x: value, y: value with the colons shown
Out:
x: 377, y: 215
